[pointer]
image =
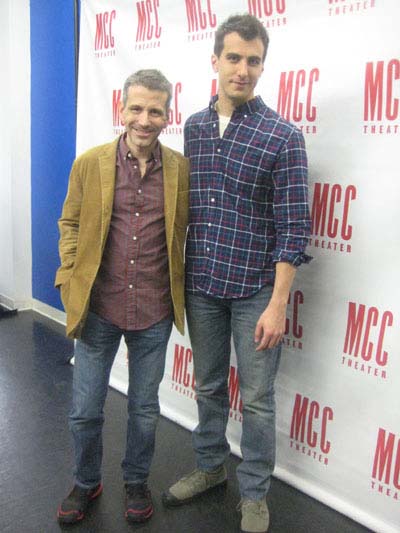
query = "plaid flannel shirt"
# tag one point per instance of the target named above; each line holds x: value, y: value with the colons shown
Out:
x: 248, y: 200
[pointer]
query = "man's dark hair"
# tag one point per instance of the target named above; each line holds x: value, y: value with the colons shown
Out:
x: 247, y: 26
x: 151, y: 79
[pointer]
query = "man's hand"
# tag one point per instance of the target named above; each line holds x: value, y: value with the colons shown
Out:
x: 270, y: 327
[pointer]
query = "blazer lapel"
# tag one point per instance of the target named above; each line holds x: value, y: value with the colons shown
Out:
x: 170, y: 179
x: 107, y: 166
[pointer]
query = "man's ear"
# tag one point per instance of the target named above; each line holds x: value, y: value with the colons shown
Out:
x: 121, y: 109
x: 214, y: 62
x: 166, y: 119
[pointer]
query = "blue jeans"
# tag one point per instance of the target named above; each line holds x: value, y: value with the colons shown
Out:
x: 94, y: 355
x: 211, y: 323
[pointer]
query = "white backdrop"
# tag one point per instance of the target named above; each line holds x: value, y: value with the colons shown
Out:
x: 333, y: 68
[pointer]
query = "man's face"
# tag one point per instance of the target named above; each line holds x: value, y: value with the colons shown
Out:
x: 144, y: 116
x: 239, y: 67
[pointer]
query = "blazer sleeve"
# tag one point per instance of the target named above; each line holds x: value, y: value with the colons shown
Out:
x: 68, y: 226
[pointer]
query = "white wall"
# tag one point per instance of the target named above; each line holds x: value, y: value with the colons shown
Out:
x: 15, y: 156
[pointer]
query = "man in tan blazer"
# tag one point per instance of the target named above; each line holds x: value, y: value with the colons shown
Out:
x: 122, y: 233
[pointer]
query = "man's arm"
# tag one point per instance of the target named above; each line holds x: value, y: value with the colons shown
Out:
x: 270, y: 327
x: 292, y: 223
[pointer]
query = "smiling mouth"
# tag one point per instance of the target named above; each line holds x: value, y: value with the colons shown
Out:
x: 240, y: 83
x: 144, y: 133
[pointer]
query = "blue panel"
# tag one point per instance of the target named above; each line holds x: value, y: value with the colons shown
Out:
x: 53, y: 134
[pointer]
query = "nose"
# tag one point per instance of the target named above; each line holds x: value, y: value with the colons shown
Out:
x: 242, y: 68
x: 144, y: 119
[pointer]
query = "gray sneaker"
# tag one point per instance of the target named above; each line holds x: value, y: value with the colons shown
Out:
x: 196, y: 483
x: 255, y: 516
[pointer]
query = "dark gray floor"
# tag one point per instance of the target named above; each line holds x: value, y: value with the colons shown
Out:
x: 36, y: 453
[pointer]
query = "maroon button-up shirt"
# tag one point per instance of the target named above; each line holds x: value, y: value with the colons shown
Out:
x: 132, y: 289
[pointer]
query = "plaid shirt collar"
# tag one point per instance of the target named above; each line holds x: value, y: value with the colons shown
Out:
x: 249, y: 107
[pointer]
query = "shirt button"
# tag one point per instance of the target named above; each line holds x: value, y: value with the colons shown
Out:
x: 209, y: 224
x: 214, y: 125
x: 134, y: 237
x: 212, y: 200
x: 245, y: 116
x: 130, y: 286
x: 137, y: 214
x: 208, y: 249
x: 219, y: 149
x: 140, y: 191
x: 132, y: 261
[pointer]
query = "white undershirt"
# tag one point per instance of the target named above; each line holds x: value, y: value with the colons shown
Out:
x: 223, y: 123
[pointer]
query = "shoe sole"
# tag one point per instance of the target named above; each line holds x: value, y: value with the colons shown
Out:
x: 138, y: 518
x: 169, y: 500
x: 71, y: 517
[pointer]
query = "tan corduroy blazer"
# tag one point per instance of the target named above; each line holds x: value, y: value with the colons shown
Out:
x: 85, y: 221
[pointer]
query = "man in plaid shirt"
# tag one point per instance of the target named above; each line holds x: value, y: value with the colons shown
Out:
x: 248, y: 229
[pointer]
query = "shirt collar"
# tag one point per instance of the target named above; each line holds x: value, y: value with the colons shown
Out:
x: 126, y: 153
x: 252, y: 106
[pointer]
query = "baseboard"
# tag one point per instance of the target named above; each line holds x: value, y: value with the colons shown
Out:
x: 5, y: 312
x: 7, y: 303
x: 49, y: 311
x: 8, y: 307
x: 13, y: 304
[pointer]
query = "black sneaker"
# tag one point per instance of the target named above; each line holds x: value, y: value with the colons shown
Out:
x: 139, y: 505
x: 73, y: 508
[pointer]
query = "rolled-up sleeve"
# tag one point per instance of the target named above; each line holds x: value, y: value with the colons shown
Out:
x: 291, y: 210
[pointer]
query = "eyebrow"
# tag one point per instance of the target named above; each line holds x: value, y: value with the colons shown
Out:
x: 236, y: 54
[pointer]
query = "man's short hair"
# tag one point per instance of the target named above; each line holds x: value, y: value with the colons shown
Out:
x: 151, y: 79
x: 247, y: 26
